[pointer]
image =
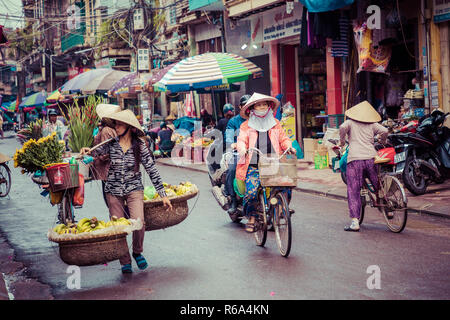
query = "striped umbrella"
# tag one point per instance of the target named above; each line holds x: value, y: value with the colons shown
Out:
x: 207, y: 70
x: 77, y: 83
x: 34, y: 100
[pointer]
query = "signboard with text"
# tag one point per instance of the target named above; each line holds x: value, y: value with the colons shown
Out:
x: 277, y: 24
x: 441, y: 10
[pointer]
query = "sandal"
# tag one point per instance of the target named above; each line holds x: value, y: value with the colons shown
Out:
x: 126, y: 268
x: 141, y: 262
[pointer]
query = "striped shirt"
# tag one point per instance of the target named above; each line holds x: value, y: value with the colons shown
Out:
x: 122, y: 179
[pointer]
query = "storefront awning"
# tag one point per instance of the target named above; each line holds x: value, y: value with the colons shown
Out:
x: 325, y: 5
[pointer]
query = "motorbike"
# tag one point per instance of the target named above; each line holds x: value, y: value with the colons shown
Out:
x: 217, y: 173
x: 424, y: 157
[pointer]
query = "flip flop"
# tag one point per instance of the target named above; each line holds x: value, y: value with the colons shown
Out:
x: 141, y: 262
x: 126, y: 268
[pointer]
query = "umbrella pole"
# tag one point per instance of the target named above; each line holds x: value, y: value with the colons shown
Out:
x: 214, y: 104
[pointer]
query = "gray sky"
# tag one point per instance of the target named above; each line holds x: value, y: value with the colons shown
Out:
x: 11, y: 7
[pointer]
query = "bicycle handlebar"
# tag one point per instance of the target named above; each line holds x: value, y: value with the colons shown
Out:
x: 262, y: 154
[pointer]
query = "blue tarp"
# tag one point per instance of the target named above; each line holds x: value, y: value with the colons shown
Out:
x: 325, y: 5
x: 186, y: 123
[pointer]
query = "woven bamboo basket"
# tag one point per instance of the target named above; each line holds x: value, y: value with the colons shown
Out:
x: 96, y: 247
x: 89, y: 252
x: 156, y: 216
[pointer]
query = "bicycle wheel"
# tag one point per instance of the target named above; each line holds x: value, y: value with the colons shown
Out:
x: 65, y: 213
x: 5, y: 180
x: 363, y: 208
x: 261, y: 222
x: 282, y: 224
x: 395, y: 212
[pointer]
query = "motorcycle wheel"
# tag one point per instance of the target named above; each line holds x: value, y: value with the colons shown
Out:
x: 416, y: 185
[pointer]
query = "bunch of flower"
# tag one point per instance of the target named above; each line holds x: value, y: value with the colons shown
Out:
x: 34, y: 155
x: 82, y: 121
x: 32, y: 131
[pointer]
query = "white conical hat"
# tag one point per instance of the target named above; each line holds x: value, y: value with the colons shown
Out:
x: 363, y: 112
x: 255, y: 98
x: 127, y: 116
x: 104, y: 109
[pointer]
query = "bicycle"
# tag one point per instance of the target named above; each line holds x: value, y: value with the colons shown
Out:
x: 273, y: 206
x: 394, y: 201
x: 5, y: 176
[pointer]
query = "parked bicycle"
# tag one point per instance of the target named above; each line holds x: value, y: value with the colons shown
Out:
x: 5, y: 175
x: 273, y: 209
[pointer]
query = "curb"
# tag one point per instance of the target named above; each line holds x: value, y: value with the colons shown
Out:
x: 4, y: 294
x: 316, y: 192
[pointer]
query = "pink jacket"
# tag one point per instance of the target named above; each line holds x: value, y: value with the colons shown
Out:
x: 247, y: 139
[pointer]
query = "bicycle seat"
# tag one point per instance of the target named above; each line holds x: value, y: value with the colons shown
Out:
x: 379, y: 160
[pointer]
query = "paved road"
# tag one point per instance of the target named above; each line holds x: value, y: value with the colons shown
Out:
x: 208, y: 257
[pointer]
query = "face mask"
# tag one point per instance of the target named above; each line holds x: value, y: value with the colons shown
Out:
x: 261, y: 113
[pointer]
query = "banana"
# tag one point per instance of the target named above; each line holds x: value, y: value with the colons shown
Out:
x: 59, y: 228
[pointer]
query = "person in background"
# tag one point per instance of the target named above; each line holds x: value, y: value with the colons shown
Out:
x: 164, y: 140
x: 53, y: 124
x: 228, y: 111
x: 207, y: 119
x: 231, y: 134
x: 105, y: 131
x: 361, y: 128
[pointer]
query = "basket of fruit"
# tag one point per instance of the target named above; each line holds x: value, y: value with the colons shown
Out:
x: 157, y: 216
x: 91, y: 241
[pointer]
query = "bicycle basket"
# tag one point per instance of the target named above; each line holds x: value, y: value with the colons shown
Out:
x: 62, y: 176
x: 274, y: 172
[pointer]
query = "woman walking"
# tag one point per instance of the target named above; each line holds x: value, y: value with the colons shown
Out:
x: 124, y: 184
x: 264, y: 132
x: 361, y: 129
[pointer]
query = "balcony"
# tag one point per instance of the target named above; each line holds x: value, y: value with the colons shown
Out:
x: 237, y: 8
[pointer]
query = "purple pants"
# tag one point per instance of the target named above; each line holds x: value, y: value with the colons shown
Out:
x: 357, y: 170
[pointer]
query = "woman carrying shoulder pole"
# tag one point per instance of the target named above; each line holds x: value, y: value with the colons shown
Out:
x: 124, y: 181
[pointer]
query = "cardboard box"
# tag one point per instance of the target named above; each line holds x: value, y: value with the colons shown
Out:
x: 309, y: 155
x: 310, y: 144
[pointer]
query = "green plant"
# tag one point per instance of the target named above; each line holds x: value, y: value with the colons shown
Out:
x: 82, y: 121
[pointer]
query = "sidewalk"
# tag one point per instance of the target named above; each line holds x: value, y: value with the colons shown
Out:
x: 327, y: 183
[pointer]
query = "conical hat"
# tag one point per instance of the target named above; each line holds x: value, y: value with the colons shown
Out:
x: 104, y: 109
x: 4, y: 158
x: 127, y: 116
x: 255, y: 98
x: 363, y: 112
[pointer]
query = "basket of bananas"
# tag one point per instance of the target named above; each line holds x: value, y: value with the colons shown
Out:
x: 157, y: 216
x: 92, y: 241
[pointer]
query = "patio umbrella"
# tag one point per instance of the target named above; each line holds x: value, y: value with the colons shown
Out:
x: 207, y: 70
x: 34, y: 100
x: 129, y: 83
x: 10, y: 106
x: 54, y: 96
x: 75, y: 84
x: 103, y: 82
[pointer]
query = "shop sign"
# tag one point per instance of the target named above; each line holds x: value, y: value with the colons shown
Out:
x: 434, y: 90
x: 441, y: 10
x: 104, y: 63
x: 277, y: 24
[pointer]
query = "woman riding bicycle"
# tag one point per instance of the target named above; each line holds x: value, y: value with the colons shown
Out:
x: 264, y: 132
x: 361, y: 129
